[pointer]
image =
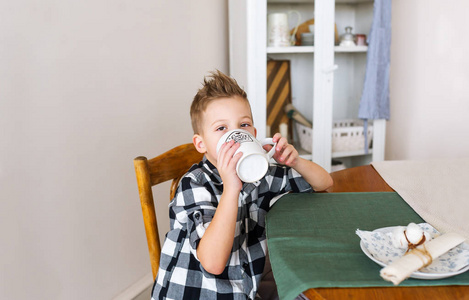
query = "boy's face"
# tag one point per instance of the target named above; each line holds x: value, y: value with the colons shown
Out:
x: 221, y: 116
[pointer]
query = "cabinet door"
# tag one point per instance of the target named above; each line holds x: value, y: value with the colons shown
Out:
x: 323, y: 82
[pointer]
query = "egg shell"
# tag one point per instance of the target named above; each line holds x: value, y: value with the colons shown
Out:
x: 414, y: 233
x: 398, y: 238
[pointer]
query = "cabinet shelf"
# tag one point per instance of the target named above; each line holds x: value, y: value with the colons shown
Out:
x: 351, y: 49
x: 310, y: 49
x: 306, y: 155
x: 351, y: 153
x: 312, y: 1
x: 291, y: 49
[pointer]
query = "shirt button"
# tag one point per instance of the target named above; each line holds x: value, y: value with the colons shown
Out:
x: 245, y: 266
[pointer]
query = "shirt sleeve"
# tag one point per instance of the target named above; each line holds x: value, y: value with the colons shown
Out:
x: 282, y: 179
x: 297, y: 183
x: 278, y: 181
x: 193, y: 208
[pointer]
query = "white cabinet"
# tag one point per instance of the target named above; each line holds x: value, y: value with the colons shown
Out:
x: 326, y: 79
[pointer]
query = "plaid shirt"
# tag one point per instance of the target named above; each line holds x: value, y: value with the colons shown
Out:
x: 180, y: 274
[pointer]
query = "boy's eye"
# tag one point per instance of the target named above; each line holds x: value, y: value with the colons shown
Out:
x: 221, y: 128
x: 245, y: 125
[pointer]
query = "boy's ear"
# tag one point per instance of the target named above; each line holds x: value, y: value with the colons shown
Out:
x: 199, y: 144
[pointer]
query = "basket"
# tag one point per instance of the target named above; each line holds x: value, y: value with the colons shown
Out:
x: 347, y: 135
x: 305, y: 136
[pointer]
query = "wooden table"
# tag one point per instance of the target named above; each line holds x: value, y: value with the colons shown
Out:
x: 366, y: 179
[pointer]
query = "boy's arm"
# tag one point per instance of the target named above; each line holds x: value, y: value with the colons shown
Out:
x: 215, y: 246
x: 315, y: 175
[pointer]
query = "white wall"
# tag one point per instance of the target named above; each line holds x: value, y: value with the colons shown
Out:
x: 86, y: 86
x: 429, y: 80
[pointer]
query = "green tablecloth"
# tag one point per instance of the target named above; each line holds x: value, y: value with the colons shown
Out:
x: 312, y: 241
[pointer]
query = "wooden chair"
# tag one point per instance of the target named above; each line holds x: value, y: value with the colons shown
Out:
x: 171, y: 165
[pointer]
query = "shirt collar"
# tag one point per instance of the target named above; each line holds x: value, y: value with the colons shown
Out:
x: 211, y: 171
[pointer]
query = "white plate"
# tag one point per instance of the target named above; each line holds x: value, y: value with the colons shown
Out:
x: 417, y: 274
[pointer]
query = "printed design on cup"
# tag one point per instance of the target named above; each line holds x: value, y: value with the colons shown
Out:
x: 239, y: 137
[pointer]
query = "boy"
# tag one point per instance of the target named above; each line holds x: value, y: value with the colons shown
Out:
x: 216, y: 247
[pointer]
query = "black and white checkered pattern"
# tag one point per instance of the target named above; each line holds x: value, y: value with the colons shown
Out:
x: 180, y: 275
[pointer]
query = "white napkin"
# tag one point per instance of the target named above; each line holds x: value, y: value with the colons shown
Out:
x: 415, y: 182
x: 402, y: 268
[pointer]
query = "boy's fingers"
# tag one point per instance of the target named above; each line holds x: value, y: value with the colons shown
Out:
x: 226, y: 146
x: 223, y: 148
x: 224, y: 152
x: 276, y: 137
x: 227, y: 153
x: 233, y: 149
x: 293, y: 156
x: 281, y: 144
x: 289, y: 161
x: 236, y: 158
x: 287, y: 155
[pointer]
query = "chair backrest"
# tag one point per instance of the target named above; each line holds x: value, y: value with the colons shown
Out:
x: 171, y: 165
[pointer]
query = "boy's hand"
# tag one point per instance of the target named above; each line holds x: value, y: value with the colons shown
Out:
x: 215, y: 246
x: 226, y: 165
x: 285, y: 153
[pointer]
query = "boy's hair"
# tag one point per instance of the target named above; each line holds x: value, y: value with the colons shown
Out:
x: 216, y: 86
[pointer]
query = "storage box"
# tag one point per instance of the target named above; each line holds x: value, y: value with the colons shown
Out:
x: 347, y: 135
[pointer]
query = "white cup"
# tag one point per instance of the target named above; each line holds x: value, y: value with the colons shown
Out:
x: 254, y: 163
x: 278, y: 31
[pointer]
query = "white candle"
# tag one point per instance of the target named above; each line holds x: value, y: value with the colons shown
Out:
x: 283, y: 127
